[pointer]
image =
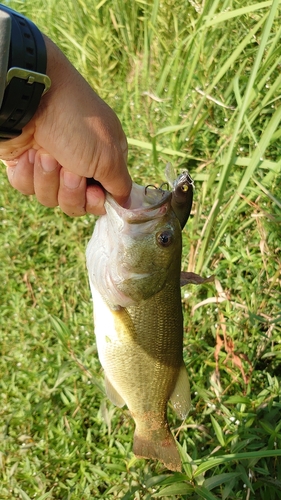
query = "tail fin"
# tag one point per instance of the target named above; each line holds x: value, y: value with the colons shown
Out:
x: 162, y: 448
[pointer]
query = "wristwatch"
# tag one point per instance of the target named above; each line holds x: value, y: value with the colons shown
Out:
x: 23, y: 79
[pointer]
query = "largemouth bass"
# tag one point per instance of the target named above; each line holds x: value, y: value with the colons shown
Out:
x: 134, y: 264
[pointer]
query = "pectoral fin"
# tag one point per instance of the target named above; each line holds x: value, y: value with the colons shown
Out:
x: 194, y: 279
x: 112, y: 394
x: 180, y: 397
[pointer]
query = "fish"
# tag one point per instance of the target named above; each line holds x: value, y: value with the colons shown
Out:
x: 134, y: 266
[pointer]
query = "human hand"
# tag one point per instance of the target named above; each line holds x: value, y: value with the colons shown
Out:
x: 74, y: 135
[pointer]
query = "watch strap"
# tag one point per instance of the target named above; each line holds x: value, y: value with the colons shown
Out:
x: 26, y: 80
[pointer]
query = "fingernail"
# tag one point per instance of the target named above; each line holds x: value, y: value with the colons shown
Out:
x: 48, y: 163
x: 10, y: 163
x: 31, y: 155
x: 71, y: 180
x: 10, y: 173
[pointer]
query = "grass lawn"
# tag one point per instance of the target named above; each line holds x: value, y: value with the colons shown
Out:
x: 193, y: 83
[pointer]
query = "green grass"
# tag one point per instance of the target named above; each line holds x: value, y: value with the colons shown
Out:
x: 195, y: 83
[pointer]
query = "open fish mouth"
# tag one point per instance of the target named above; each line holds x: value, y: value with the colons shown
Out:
x: 144, y: 204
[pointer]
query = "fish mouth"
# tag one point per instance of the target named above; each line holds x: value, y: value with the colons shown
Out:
x: 144, y: 204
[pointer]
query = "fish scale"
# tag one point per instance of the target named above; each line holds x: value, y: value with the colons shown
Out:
x: 135, y: 369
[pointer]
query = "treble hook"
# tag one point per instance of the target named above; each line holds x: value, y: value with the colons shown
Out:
x: 149, y: 186
x: 155, y: 187
x: 164, y: 184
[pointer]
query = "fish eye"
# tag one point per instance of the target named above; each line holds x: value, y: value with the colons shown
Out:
x: 165, y: 238
x: 184, y: 188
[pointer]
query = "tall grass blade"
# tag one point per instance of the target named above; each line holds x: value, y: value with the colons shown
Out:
x: 224, y: 176
x: 248, y: 175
